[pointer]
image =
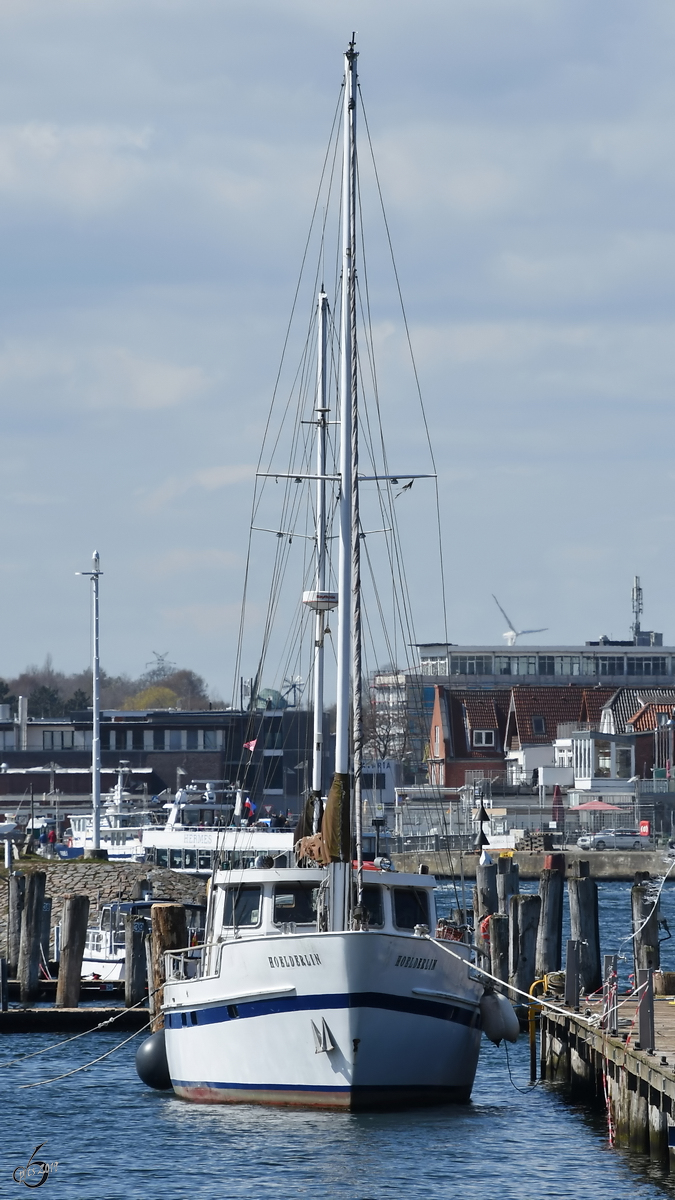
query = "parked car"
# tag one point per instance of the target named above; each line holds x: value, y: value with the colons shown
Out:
x: 614, y: 839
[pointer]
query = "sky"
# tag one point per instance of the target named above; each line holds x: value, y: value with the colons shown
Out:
x: 158, y: 165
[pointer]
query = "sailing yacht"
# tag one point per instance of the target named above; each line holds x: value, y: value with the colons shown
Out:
x: 323, y: 983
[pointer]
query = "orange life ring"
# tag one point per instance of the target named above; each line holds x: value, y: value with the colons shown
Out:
x: 485, y: 928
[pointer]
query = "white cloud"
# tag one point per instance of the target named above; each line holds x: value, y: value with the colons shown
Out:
x: 208, y: 479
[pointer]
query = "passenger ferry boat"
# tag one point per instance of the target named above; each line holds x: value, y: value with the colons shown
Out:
x: 124, y: 816
x: 200, y: 834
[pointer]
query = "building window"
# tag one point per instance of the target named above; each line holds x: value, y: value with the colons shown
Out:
x: 191, y: 741
x: 374, y: 780
x: 175, y: 739
x: 546, y: 664
x: 502, y: 664
x: 137, y: 739
x: 483, y: 737
x: 567, y: 664
x: 57, y: 739
x: 610, y: 666
x: 120, y: 739
x: 538, y: 726
x: 471, y: 664
x: 210, y: 739
x: 646, y: 666
x: 434, y: 666
x: 7, y: 739
x: 158, y: 739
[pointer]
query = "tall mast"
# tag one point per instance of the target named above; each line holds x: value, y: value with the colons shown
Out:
x: 95, y: 575
x: 346, y: 353
x: 319, y: 619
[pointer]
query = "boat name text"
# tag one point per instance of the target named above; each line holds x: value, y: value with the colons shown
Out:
x: 294, y: 960
x: 410, y: 960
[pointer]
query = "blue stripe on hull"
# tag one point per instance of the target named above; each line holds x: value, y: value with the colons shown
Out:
x: 284, y: 1004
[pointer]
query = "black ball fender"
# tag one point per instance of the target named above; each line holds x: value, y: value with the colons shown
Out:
x: 151, y: 1063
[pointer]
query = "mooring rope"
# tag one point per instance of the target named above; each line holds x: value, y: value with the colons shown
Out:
x: 94, y: 1029
x: 55, y: 1078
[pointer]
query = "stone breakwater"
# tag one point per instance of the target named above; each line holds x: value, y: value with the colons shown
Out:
x: 603, y: 864
x: 101, y: 882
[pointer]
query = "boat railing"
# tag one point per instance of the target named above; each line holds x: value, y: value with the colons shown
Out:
x: 192, y: 961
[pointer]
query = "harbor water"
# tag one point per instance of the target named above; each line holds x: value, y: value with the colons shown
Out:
x: 113, y: 1137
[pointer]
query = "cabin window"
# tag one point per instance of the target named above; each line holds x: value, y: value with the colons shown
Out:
x: 483, y: 737
x: 190, y: 859
x: 242, y: 906
x: 105, y: 919
x: 372, y: 902
x: 204, y: 860
x: 161, y: 857
x: 175, y: 859
x: 295, y: 902
x: 411, y: 907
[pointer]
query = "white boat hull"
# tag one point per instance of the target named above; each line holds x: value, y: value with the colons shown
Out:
x: 344, y: 1021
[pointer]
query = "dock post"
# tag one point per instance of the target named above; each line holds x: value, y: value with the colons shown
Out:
x: 645, y: 915
x: 169, y: 932
x: 17, y: 892
x: 73, y: 937
x: 572, y: 975
x: 645, y: 981
x: 499, y: 946
x: 584, y: 928
x: 45, y: 930
x: 610, y: 995
x: 523, y: 924
x: 4, y: 987
x: 486, y: 886
x: 31, y: 925
x: 508, y: 882
x: 549, y: 934
x: 134, y: 959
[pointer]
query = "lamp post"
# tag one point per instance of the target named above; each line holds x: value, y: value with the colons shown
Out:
x: 94, y: 575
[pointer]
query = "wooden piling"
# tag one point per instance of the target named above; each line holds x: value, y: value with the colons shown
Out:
x: 508, y: 883
x: 549, y: 934
x: 499, y: 946
x: 645, y: 915
x: 45, y: 928
x: 134, y: 959
x: 17, y: 891
x: 486, y: 886
x: 169, y: 932
x: 73, y: 937
x: 523, y: 924
x: 31, y: 926
x: 584, y: 927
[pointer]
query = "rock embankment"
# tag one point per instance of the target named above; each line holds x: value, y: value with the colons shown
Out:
x: 102, y: 882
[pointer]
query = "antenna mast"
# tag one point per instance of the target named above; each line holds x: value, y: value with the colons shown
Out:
x: 637, y: 605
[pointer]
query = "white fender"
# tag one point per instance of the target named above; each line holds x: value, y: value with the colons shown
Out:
x: 499, y: 1018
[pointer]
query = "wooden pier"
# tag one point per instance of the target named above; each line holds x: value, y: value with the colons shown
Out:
x: 635, y: 1085
x: 72, y: 1020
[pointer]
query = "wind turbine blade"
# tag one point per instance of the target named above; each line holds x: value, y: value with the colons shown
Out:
x: 508, y: 620
x: 544, y: 630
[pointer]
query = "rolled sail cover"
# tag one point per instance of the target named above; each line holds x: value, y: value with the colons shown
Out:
x: 335, y: 826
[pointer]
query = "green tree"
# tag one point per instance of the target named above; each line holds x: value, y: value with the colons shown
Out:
x: 45, y: 701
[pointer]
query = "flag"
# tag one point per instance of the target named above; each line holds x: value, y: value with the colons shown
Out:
x: 251, y: 745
